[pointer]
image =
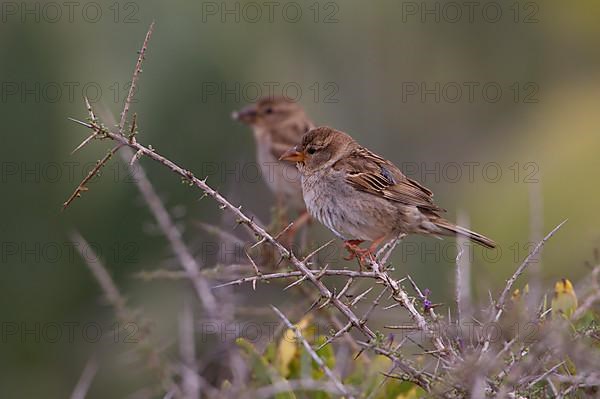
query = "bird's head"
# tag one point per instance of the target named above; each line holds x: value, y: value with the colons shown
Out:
x: 269, y: 112
x: 321, y: 147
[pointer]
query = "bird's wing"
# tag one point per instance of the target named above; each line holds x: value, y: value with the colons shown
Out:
x: 370, y: 173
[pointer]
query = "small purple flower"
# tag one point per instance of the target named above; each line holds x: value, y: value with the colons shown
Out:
x: 427, y: 305
x: 426, y: 292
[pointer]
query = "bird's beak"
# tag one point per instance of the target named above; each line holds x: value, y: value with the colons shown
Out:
x: 245, y: 115
x: 292, y: 155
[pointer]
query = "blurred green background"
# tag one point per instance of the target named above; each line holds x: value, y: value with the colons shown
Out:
x: 396, y: 75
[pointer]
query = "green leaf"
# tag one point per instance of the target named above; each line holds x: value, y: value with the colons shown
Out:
x: 263, y: 373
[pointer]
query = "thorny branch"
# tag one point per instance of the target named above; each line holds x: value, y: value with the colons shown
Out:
x: 501, y: 303
x: 82, y: 186
x: 153, y: 357
x: 262, y: 234
x: 173, y: 235
x: 136, y: 74
x: 291, y: 274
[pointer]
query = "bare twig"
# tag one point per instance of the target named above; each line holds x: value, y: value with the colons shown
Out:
x: 592, y: 298
x: 345, y: 288
x: 291, y: 274
x: 583, y: 380
x: 374, y: 304
x: 255, y: 267
x: 113, y: 296
x: 414, y: 375
x: 402, y: 297
x: 277, y: 236
x: 360, y: 296
x: 316, y: 251
x: 220, y: 233
x: 509, y: 283
x: 463, y: 274
x: 190, y: 381
x: 546, y: 374
x: 384, y: 253
x: 93, y: 119
x: 85, y: 381
x: 173, y: 236
x: 337, y: 334
x: 110, y: 290
x: 158, y: 274
x: 99, y: 164
x: 536, y: 231
x: 136, y: 74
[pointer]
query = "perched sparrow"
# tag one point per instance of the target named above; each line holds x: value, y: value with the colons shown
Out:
x: 360, y: 196
x: 278, y: 124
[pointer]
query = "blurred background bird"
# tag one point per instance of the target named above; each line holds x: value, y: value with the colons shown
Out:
x: 278, y: 124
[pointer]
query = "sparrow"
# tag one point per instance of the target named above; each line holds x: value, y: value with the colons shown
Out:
x: 361, y: 196
x: 278, y: 124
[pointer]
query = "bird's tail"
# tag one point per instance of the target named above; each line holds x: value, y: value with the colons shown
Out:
x: 452, y: 229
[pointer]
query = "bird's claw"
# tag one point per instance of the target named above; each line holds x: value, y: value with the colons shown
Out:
x: 364, y: 256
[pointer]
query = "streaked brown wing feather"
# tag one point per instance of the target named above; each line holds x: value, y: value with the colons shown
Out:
x: 373, y: 174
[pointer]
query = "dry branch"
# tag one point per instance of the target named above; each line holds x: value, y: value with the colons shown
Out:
x: 402, y: 297
x: 136, y: 74
x: 173, y: 236
x: 291, y: 274
x: 190, y: 380
x: 99, y: 164
x: 594, y: 297
x: 124, y: 315
x: 510, y: 282
x: 86, y: 378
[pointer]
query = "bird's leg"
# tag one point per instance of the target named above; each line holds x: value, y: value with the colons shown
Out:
x: 354, y: 251
x: 353, y: 247
x: 363, y: 255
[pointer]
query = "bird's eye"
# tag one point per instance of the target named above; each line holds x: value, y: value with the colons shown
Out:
x: 269, y: 110
x: 311, y: 150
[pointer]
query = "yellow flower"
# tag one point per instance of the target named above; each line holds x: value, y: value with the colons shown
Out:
x: 288, y: 347
x: 564, y: 301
